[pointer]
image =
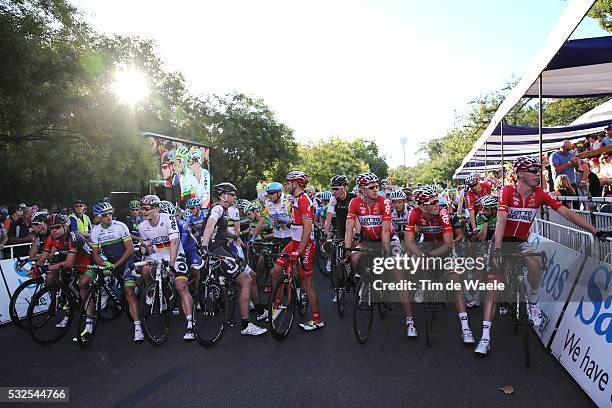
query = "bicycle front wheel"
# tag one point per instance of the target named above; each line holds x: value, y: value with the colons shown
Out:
x: 21, y: 299
x: 50, y: 314
x: 210, y: 313
x: 157, y: 314
x: 281, y: 310
x: 364, y: 311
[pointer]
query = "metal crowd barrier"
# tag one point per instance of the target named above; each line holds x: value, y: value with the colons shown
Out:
x: 11, y: 248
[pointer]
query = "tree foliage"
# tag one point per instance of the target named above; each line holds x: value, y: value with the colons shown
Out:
x: 602, y: 12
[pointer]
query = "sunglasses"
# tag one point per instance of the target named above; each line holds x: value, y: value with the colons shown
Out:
x: 110, y: 213
x: 231, y: 194
x: 146, y: 208
x: 135, y: 209
x: 56, y: 227
x: 533, y: 170
x: 436, y: 202
x: 36, y: 224
x: 373, y: 187
x: 473, y: 185
x: 80, y: 205
x: 336, y: 188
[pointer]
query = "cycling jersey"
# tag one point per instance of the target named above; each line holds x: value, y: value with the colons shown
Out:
x: 302, y: 210
x: 371, y: 217
x: 159, y: 236
x: 218, y: 237
x: 340, y: 209
x: 132, y: 223
x: 197, y: 222
x: 480, y: 220
x: 399, y: 219
x: 39, y: 239
x: 280, y: 211
x: 432, y: 229
x: 111, y: 241
x: 232, y: 217
x: 189, y: 243
x: 472, y: 199
x: 522, y: 210
x: 72, y: 242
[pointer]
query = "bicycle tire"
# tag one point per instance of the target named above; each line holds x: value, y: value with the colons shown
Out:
x: 340, y: 271
x: 158, y: 310
x: 213, y: 302
x: 363, y: 303
x: 321, y: 260
x: 15, y: 300
x: 284, y: 291
x: 263, y: 279
x: 301, y: 296
x: 60, y: 304
x: 93, y: 299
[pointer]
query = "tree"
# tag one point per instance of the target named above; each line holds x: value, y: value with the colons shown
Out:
x: 602, y: 12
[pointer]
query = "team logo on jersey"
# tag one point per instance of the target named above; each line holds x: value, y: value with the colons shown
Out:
x: 522, y: 214
x: 371, y: 221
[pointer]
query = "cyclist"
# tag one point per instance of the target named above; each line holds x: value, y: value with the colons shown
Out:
x: 71, y: 248
x: 374, y: 214
x: 517, y: 208
x: 133, y: 219
x: 399, y: 214
x: 40, y: 230
x: 278, y: 209
x: 435, y: 224
x: 215, y: 241
x: 196, y: 216
x: 161, y: 239
x: 263, y: 223
x: 476, y: 190
x: 189, y: 243
x: 112, y: 238
x: 302, y: 244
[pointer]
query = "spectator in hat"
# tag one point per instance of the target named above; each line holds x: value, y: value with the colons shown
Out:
x: 79, y: 221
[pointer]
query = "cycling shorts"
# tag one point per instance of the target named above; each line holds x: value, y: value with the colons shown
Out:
x: 308, y: 256
x: 180, y: 266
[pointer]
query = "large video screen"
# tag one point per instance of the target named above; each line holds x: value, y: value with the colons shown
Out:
x: 184, y: 167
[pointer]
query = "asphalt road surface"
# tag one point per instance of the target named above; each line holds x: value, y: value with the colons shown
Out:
x: 325, y: 368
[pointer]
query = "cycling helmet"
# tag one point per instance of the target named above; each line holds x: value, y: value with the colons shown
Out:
x: 182, y: 152
x: 274, y: 187
x: 326, y: 195
x: 397, y: 195
x: 58, y: 219
x: 364, y: 179
x: 150, y: 199
x: 299, y: 176
x: 472, y: 178
x: 525, y: 162
x: 194, y: 202
x: 223, y: 188
x: 424, y: 195
x: 168, y: 157
x: 242, y: 203
x: 41, y: 217
x: 489, y: 202
x: 309, y: 190
x: 101, y: 208
x: 261, y: 198
x: 251, y: 207
x: 338, y: 181
x: 384, y: 181
x: 134, y: 205
x: 195, y: 153
x: 166, y: 207
x: 443, y: 202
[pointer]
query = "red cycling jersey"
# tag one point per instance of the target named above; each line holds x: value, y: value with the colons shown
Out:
x: 71, y: 242
x: 371, y: 217
x: 433, y: 229
x: 473, y: 199
x: 522, y: 210
x: 301, y: 210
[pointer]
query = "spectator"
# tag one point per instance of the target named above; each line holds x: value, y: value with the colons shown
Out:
x: 607, y: 139
x: 18, y: 232
x: 605, y: 169
x: 547, y: 172
x: 594, y: 142
x: 563, y: 187
x: 564, y: 162
x: 79, y: 221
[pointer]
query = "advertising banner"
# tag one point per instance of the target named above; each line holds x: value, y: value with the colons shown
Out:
x: 184, y: 167
x: 559, y: 276
x: 13, y: 279
x: 583, y: 343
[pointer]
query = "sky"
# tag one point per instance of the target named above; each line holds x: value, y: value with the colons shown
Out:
x: 380, y: 70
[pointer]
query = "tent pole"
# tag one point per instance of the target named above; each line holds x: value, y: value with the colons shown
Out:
x: 486, y: 154
x: 540, y: 123
x: 501, y: 131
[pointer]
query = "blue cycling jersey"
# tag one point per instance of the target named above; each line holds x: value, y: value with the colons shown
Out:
x: 197, y: 223
x: 187, y: 239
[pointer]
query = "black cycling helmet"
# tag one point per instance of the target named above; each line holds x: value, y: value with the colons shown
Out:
x: 223, y: 188
x: 340, y: 180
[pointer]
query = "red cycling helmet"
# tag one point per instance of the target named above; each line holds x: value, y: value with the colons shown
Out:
x: 299, y: 176
x: 365, y: 179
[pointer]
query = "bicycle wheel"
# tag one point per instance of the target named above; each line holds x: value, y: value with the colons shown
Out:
x: 50, y: 314
x: 157, y: 314
x: 21, y: 298
x: 321, y: 258
x: 340, y: 288
x: 301, y: 296
x: 109, y: 310
x: 210, y: 320
x: 88, y: 317
x: 364, y: 311
x: 263, y: 280
x: 283, y: 301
